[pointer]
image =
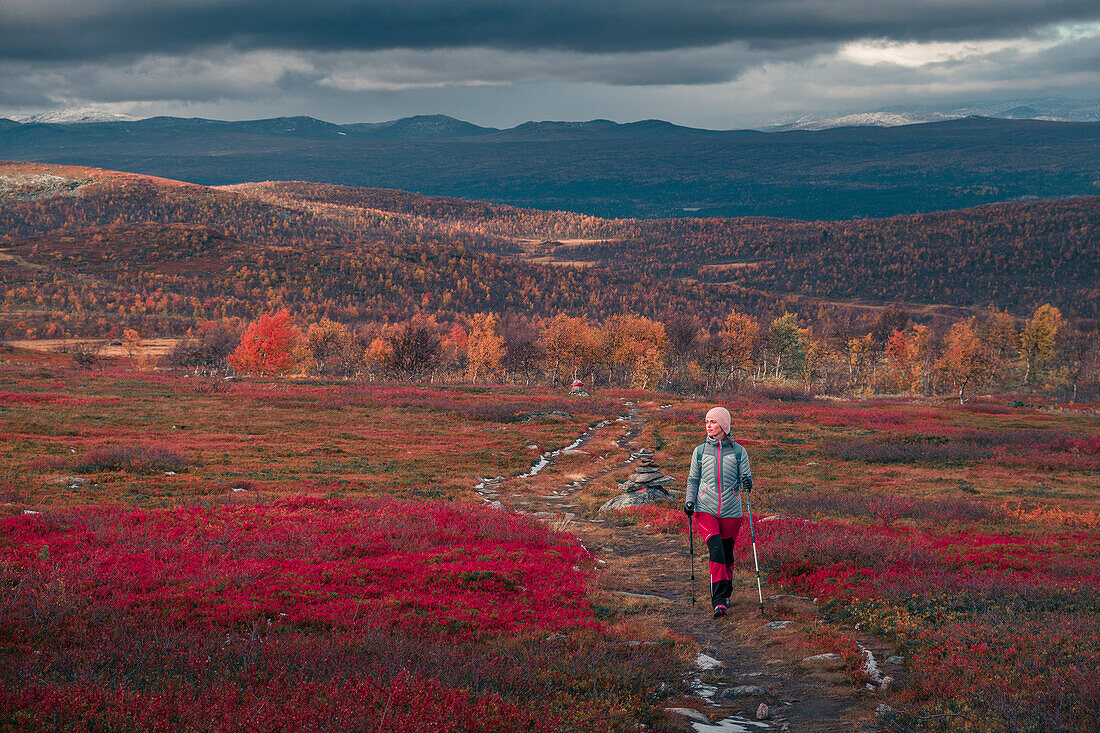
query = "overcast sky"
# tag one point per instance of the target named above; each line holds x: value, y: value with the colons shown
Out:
x: 710, y: 63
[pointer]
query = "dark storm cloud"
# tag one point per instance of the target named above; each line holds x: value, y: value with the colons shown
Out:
x: 1081, y: 55
x: 90, y: 29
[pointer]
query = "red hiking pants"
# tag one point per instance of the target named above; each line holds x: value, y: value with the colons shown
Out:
x: 721, y: 538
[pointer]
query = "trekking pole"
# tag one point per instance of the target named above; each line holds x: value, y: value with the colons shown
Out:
x: 691, y: 545
x: 755, y: 560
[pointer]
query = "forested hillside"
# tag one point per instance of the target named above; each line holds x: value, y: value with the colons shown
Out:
x: 1014, y: 256
x: 385, y: 281
x: 85, y: 248
x: 645, y: 169
x: 86, y: 251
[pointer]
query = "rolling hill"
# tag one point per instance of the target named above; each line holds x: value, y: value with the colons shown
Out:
x: 85, y: 249
x: 643, y: 169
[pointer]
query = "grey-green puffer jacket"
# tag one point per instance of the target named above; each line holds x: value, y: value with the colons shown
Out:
x: 711, y: 493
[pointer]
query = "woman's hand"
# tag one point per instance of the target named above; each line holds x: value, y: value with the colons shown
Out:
x: 746, y: 484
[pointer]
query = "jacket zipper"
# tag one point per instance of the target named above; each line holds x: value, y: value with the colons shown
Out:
x: 718, y: 478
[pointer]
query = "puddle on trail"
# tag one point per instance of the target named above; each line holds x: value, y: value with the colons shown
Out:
x: 730, y: 725
x: 545, y: 458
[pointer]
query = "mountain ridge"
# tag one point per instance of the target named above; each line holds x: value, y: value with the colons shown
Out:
x: 360, y: 254
x: 649, y: 168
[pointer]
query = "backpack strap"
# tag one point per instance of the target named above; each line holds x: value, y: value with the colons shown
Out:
x: 738, y: 452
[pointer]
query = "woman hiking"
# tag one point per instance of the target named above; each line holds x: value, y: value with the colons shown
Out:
x: 719, y: 471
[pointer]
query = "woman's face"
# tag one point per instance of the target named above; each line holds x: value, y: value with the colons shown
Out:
x: 714, y: 430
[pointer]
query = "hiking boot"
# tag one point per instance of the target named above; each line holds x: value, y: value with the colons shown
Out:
x: 719, y: 610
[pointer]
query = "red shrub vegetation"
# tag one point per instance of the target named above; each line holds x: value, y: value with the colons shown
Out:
x: 311, y: 561
x: 51, y: 398
x: 1002, y: 627
x: 309, y: 614
x: 653, y: 519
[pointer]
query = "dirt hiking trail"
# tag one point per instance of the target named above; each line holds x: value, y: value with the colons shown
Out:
x: 647, y: 576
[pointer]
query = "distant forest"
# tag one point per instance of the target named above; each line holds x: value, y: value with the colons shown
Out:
x: 88, y: 253
x: 85, y: 250
x: 647, y: 169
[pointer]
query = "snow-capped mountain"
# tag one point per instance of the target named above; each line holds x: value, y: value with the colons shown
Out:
x: 78, y: 114
x: 860, y: 119
x: 1053, y: 110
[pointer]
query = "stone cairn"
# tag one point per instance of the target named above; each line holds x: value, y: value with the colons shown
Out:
x: 645, y: 486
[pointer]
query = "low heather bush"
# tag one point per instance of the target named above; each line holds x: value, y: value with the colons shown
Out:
x: 777, y: 392
x: 796, y: 548
x: 870, y: 450
x: 812, y: 504
x: 808, y: 503
x: 1025, y: 438
x: 947, y: 509
x: 680, y: 416
x: 1019, y: 673
x: 986, y: 408
x: 130, y: 458
x: 1089, y: 446
x: 968, y: 445
x: 501, y: 412
x: 774, y: 416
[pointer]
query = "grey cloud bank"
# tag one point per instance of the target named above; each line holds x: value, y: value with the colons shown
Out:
x: 499, y: 62
x: 56, y: 29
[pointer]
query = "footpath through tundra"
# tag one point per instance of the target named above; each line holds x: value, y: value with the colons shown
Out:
x: 744, y: 663
x: 906, y: 520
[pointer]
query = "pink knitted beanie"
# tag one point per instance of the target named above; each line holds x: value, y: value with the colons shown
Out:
x: 722, y: 415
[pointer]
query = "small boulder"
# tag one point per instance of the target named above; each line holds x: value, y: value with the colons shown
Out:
x: 830, y: 661
x: 690, y: 714
x: 744, y: 691
x: 641, y: 497
x: 705, y: 662
x: 763, y: 712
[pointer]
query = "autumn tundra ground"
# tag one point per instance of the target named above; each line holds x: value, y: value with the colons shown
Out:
x: 184, y: 553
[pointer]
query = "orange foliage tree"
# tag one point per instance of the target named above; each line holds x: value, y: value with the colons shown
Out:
x: 322, y: 341
x: 1040, y: 336
x: 741, y: 335
x: 267, y: 345
x: 965, y: 363
x: 569, y: 346
x: 631, y: 348
x: 484, y: 347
